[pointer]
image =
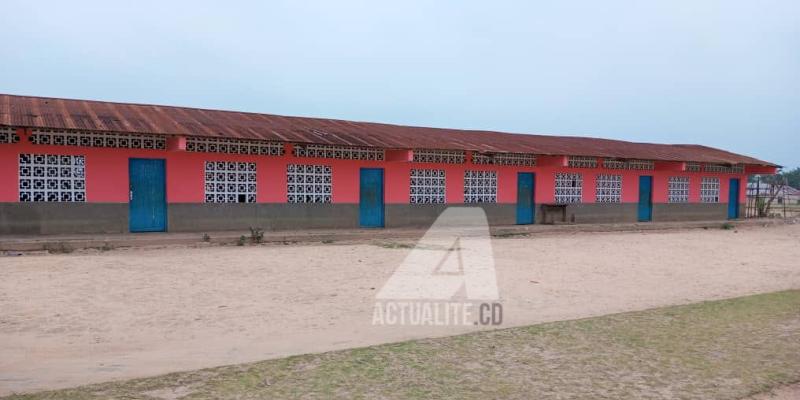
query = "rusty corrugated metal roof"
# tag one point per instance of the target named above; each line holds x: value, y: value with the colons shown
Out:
x: 42, y: 112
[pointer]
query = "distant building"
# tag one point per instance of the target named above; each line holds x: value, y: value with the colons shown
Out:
x: 786, y: 194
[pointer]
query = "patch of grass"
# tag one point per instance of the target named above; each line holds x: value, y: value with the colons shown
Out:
x: 256, y: 235
x: 727, y: 226
x: 418, y: 246
x: 59, y: 248
x: 396, y: 245
x: 722, y: 349
x: 506, y: 235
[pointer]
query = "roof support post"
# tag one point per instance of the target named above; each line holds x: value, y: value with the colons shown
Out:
x: 400, y: 155
x: 176, y: 143
x: 551, y: 161
x: 24, y: 134
x: 676, y: 166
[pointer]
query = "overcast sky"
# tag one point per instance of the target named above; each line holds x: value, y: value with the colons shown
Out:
x: 719, y: 73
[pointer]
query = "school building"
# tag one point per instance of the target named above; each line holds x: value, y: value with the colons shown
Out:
x: 79, y: 166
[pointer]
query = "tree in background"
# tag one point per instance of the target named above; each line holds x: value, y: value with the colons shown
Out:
x: 774, y: 186
x: 792, y: 177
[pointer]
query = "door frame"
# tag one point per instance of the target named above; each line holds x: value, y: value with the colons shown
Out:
x: 649, y: 200
x: 733, y: 198
x: 533, y: 198
x: 130, y: 193
x: 382, y: 197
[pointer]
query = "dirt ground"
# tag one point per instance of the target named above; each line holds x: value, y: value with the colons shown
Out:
x: 78, y: 318
x: 790, y: 392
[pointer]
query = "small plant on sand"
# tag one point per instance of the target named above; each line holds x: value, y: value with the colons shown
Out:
x: 396, y: 245
x: 59, y: 248
x: 728, y: 226
x: 256, y: 235
x: 241, y: 241
x: 206, y: 238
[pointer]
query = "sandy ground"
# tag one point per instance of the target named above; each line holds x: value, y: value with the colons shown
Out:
x: 72, y: 319
x: 790, y: 392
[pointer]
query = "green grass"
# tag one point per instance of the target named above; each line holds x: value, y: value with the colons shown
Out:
x: 713, y: 350
x: 395, y: 245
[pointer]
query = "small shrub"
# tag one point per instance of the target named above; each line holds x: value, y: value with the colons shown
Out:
x: 761, y: 206
x: 241, y: 241
x: 256, y: 235
x: 396, y: 245
x: 503, y: 235
x: 59, y: 248
x: 206, y: 238
x: 727, y: 226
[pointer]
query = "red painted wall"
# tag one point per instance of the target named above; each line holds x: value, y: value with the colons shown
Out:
x: 106, y: 169
x: 107, y: 176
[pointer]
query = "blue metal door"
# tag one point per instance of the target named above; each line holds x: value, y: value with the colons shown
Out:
x: 148, y: 200
x: 645, y: 198
x: 370, y: 208
x: 733, y: 199
x: 525, y: 202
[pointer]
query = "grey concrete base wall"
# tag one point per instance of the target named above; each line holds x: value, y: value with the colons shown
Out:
x: 691, y: 211
x: 198, y: 217
x: 209, y: 217
x: 191, y: 217
x: 62, y: 218
x: 423, y: 215
x: 593, y: 213
x: 66, y: 218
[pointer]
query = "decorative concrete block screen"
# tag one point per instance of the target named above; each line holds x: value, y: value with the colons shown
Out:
x: 608, y: 188
x: 515, y: 159
x: 234, y: 146
x: 709, y: 190
x: 92, y: 139
x: 439, y: 156
x: 692, y: 167
x: 427, y: 186
x: 48, y: 177
x: 678, y: 190
x: 727, y: 169
x: 480, y: 187
x: 339, y: 152
x: 8, y: 135
x: 581, y: 162
x: 643, y: 165
x: 569, y: 188
x: 308, y: 183
x: 230, y: 182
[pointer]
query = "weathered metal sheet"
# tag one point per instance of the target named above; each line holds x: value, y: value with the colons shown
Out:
x: 41, y: 112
